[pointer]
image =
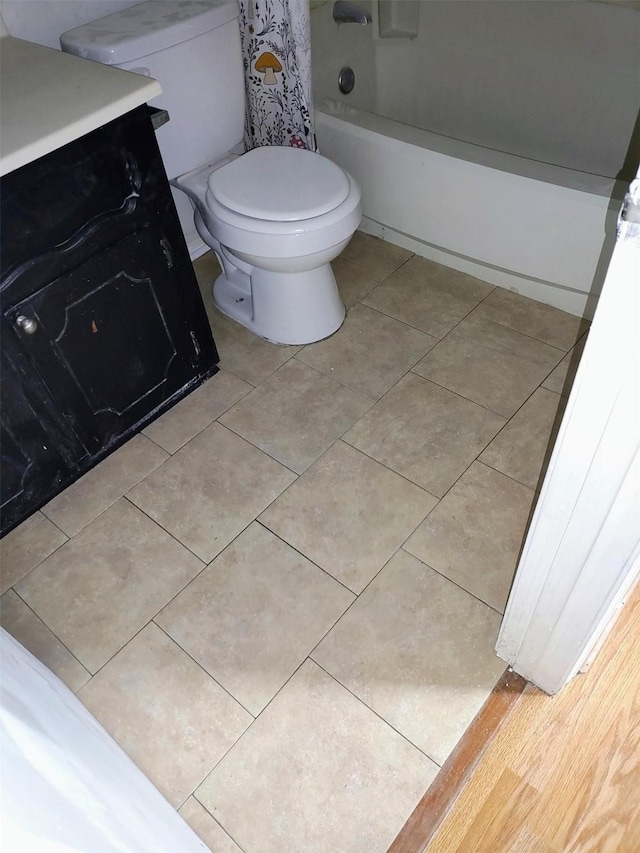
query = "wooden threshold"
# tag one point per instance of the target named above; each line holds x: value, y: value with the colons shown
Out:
x: 427, y: 816
x: 552, y: 774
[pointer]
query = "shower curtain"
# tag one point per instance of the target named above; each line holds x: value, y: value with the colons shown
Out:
x: 276, y: 51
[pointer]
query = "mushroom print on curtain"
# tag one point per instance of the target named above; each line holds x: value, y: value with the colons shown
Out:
x: 276, y: 51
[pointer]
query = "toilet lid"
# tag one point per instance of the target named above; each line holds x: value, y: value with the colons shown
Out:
x: 280, y: 184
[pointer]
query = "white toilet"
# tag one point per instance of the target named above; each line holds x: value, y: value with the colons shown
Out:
x: 275, y: 216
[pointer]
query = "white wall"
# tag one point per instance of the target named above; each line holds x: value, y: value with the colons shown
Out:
x: 42, y: 21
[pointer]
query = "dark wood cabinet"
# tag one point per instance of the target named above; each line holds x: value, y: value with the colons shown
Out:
x: 36, y: 447
x: 103, y: 327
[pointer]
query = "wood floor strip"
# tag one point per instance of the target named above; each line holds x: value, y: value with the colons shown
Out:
x: 450, y: 781
x: 562, y: 775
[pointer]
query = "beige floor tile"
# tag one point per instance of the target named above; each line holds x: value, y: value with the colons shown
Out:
x: 523, y: 447
x: 417, y: 650
x: 197, y: 410
x: 543, y: 322
x: 369, y: 353
x: 254, y: 614
x: 353, y: 281
x: 27, y: 546
x: 377, y: 257
x: 211, y: 489
x: 428, y: 296
x: 243, y: 353
x: 23, y: 624
x: 317, y: 771
x: 348, y: 514
x: 475, y: 534
x: 101, y: 487
x: 561, y: 378
x: 106, y: 583
x: 207, y: 269
x: 425, y: 433
x: 296, y: 414
x: 206, y: 828
x: 489, y: 364
x: 171, y: 717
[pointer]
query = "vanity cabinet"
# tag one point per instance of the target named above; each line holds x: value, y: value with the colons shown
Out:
x: 103, y: 326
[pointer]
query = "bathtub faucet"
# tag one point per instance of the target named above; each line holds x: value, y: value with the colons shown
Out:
x: 349, y: 13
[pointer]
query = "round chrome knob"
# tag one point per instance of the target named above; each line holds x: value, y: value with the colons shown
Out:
x: 346, y: 80
x: 26, y: 324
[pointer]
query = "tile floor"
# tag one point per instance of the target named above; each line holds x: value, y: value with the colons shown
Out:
x: 282, y: 597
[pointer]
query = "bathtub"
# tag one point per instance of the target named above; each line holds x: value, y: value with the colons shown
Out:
x: 496, y: 201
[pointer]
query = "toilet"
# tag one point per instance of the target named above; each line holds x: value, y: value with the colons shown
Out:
x: 275, y: 216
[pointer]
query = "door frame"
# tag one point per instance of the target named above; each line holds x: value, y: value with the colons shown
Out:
x: 581, y: 554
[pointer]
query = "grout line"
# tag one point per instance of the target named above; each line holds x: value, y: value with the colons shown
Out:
x: 256, y: 718
x: 358, y: 595
x: 102, y: 666
x: 374, y: 712
x: 393, y: 471
x: 159, y: 446
x: 305, y: 557
x: 461, y: 396
x: 467, y: 315
x: 431, y: 335
x: 328, y: 375
x: 57, y: 526
x: 273, y: 458
x: 55, y: 550
x: 63, y: 644
x: 208, y: 674
x: 364, y: 269
x: 397, y: 319
x: 345, y: 384
x: 504, y: 474
x: 164, y: 530
x: 217, y: 822
x: 129, y: 488
x: 451, y: 581
x: 237, y: 376
x: 519, y: 409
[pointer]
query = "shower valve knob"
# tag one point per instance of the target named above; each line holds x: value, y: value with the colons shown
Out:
x: 346, y: 80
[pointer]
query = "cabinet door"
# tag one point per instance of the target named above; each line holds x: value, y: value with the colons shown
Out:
x: 36, y: 457
x: 110, y: 339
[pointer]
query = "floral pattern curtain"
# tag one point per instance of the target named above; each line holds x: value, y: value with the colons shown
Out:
x: 276, y: 50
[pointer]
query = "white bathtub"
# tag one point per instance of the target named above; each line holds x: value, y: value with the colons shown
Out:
x: 539, y: 229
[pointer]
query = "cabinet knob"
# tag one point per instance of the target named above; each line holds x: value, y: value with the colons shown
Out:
x: 26, y: 324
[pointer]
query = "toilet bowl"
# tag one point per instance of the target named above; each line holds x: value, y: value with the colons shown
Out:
x: 276, y: 217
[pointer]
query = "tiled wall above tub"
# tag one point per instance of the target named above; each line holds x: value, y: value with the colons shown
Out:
x: 336, y: 45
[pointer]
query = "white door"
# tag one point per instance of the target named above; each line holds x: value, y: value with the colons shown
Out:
x: 65, y: 784
x: 582, y: 551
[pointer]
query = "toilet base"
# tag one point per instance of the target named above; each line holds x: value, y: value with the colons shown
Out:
x: 284, y: 308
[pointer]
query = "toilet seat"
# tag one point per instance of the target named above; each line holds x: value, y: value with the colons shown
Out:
x: 279, y: 238
x: 278, y: 184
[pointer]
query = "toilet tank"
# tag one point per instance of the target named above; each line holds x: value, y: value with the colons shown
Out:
x: 193, y: 50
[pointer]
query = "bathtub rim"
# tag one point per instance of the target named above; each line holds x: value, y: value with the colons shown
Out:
x: 599, y: 185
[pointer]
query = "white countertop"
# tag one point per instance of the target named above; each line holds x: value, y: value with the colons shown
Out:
x: 49, y: 98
